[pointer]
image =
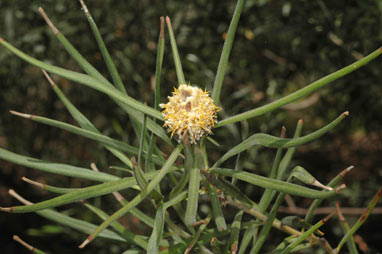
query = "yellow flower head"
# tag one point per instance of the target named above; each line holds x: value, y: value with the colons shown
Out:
x: 189, y: 114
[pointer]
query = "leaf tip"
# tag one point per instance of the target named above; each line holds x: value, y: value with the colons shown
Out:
x: 377, y: 196
x: 283, y: 132
x: 93, y: 166
x: 1, y: 39
x: 339, y: 213
x: 86, y: 242
x: 6, y: 209
x: 346, y: 171
x: 324, y: 220
x: 340, y: 188
x: 349, y: 168
x: 346, y: 113
x: 28, y: 116
x: 161, y: 34
x: 300, y: 121
x: 27, y: 180
x: 47, y: 20
x: 50, y: 80
x: 320, y: 185
x: 84, y: 7
x: 20, y: 241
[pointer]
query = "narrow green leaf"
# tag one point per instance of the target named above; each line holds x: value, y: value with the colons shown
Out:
x: 159, y: 62
x: 284, y: 163
x: 50, y: 188
x: 142, y: 141
x: 298, y: 172
x: 26, y: 245
x: 140, y: 197
x: 105, y: 53
x: 129, y: 236
x: 273, y: 184
x: 138, y: 174
x: 83, y: 193
x: 128, y: 170
x: 317, y: 202
x: 248, y: 235
x: 352, y: 248
x: 197, y: 235
x: 189, y: 158
x: 276, y: 142
x: 148, y: 163
x: 289, y: 240
x: 116, y: 78
x: 82, y: 120
x: 266, y: 198
x: 80, y: 225
x: 89, y: 69
x: 303, y: 175
x: 158, y: 71
x: 233, y: 240
x: 244, y: 136
x: 360, y: 221
x: 306, y: 234
x: 193, y: 190
x: 55, y: 168
x: 60, y: 218
x: 123, y: 147
x: 175, y: 53
x: 83, y: 63
x: 74, y: 112
x: 267, y: 225
x: 230, y: 189
x: 216, y: 209
x: 143, y: 217
x: 175, y: 200
x: 223, y: 62
x: 86, y: 80
x: 142, y: 182
x: 137, y: 213
x: 302, y: 92
x: 156, y: 235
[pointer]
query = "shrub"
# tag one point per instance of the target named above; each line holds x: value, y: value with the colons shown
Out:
x: 189, y: 197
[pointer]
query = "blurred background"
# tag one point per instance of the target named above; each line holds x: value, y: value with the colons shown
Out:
x: 280, y: 46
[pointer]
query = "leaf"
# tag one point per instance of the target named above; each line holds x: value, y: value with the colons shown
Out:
x: 276, y: 142
x: 55, y: 168
x: 302, y: 92
x: 268, y: 183
x: 223, y: 62
x: 140, y: 197
x: 80, y: 194
x: 216, y: 209
x: 123, y: 147
x: 86, y: 80
x: 175, y: 53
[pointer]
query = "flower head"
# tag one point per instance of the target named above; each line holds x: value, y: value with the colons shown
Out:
x: 189, y: 114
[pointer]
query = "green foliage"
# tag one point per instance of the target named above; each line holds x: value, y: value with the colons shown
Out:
x: 187, y: 204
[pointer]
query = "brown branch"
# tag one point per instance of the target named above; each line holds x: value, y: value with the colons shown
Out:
x: 327, y: 210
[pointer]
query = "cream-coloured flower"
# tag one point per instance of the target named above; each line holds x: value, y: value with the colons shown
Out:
x: 190, y: 113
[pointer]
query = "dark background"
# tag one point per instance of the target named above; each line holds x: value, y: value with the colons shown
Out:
x: 280, y: 46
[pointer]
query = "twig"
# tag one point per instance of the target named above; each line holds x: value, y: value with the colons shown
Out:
x: 327, y: 210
